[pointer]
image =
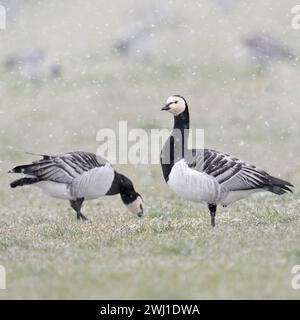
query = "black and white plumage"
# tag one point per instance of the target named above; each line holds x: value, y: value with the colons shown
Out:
x: 207, y: 175
x: 78, y: 176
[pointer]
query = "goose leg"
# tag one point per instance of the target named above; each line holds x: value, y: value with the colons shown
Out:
x: 212, y: 210
x: 76, y: 205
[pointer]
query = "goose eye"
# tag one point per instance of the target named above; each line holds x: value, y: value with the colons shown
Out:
x: 175, y: 102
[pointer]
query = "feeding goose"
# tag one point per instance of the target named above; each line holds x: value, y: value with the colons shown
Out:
x: 79, y: 176
x: 209, y: 176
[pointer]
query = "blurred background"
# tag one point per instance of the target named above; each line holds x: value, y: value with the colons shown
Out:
x: 70, y: 68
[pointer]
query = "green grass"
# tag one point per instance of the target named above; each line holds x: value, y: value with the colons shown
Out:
x: 172, y: 252
x: 171, y: 255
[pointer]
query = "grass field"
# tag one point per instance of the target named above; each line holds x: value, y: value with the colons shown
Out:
x: 172, y: 252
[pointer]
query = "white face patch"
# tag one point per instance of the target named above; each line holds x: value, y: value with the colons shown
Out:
x: 137, y: 206
x: 176, y: 105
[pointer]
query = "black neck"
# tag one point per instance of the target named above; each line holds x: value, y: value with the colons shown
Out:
x: 181, y: 134
x: 115, y: 186
x: 176, y: 146
x: 123, y: 186
x: 182, y: 121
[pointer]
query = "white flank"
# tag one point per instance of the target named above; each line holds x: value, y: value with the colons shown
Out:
x: 233, y: 196
x: 90, y: 185
x: 94, y: 183
x: 194, y: 185
x: 55, y: 189
x: 200, y: 187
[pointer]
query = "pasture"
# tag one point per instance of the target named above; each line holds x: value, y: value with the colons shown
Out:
x: 172, y: 252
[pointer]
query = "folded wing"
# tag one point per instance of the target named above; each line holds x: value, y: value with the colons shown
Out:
x: 62, y: 168
x: 234, y: 174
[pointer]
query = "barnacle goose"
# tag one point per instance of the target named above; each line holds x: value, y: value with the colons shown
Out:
x: 207, y: 175
x: 79, y: 176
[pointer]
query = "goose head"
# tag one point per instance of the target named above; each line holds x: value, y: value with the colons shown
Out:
x: 175, y: 104
x: 136, y: 206
x: 131, y: 199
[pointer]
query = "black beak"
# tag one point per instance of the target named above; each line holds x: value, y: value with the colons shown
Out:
x: 140, y: 214
x: 166, y: 107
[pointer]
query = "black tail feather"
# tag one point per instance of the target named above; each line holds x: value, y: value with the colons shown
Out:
x: 21, y: 169
x: 29, y: 170
x: 279, y: 186
x: 24, y: 181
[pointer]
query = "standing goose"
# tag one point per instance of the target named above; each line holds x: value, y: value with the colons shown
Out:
x: 207, y: 175
x: 79, y: 176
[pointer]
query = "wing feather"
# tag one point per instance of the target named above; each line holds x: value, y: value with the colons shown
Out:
x: 229, y: 171
x: 63, y: 168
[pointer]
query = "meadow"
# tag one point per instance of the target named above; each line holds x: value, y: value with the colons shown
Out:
x: 172, y: 252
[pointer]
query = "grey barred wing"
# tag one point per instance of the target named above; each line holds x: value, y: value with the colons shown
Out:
x: 230, y: 172
x: 63, y: 168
